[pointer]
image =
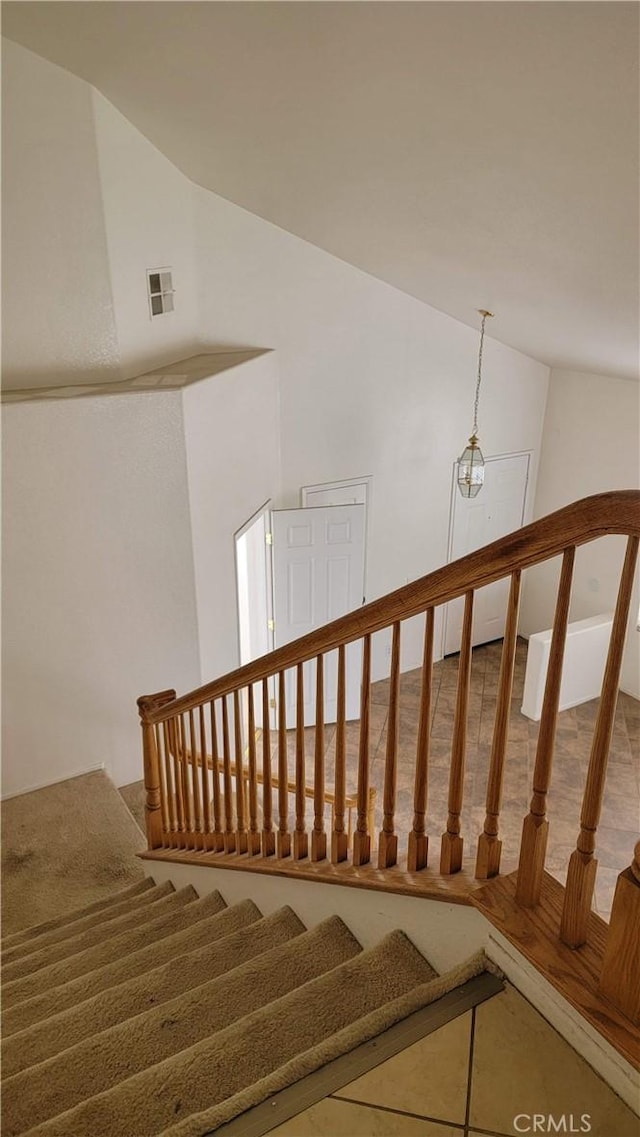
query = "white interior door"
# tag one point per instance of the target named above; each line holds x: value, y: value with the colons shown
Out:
x: 497, y: 510
x: 318, y: 575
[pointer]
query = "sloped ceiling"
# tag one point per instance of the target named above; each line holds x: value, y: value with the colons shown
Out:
x: 471, y: 154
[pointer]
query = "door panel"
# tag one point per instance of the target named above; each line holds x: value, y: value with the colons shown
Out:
x: 318, y: 575
x: 497, y: 510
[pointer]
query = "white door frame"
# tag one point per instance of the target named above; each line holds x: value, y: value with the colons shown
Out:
x: 452, y: 501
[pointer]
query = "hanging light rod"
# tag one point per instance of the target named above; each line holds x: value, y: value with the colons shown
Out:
x: 471, y: 462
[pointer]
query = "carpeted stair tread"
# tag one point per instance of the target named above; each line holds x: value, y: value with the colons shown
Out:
x: 185, y: 910
x: 168, y: 901
x: 108, y: 1058
x: 154, y: 988
x: 334, y: 1046
x: 124, y: 894
x: 214, y: 925
x: 253, y: 1047
x: 67, y: 931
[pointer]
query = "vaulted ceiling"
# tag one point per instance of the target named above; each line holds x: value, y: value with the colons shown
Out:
x: 471, y: 154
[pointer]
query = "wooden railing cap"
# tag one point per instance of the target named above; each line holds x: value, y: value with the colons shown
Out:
x: 614, y: 512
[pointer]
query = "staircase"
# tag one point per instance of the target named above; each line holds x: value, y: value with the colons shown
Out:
x: 159, y: 1012
x: 205, y: 807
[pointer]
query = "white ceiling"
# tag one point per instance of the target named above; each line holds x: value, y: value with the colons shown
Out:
x: 471, y: 154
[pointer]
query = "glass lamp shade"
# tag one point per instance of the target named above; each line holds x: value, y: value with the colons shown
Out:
x: 471, y: 469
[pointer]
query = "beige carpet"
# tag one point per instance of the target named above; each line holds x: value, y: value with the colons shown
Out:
x: 152, y: 989
x: 64, y: 847
x: 25, y: 945
x: 134, y: 797
x: 216, y: 1011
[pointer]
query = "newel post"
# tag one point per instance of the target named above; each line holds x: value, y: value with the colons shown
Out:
x: 620, y: 978
x: 152, y: 810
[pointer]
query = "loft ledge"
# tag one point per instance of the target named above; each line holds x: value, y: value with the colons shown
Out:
x: 170, y: 377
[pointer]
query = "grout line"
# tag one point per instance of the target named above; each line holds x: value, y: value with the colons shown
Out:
x: 488, y: 1132
x: 472, y: 1039
x: 401, y: 1112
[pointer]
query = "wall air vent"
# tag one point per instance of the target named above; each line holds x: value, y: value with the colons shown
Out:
x: 160, y: 290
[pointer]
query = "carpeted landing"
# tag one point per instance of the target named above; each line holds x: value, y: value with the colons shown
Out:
x: 89, y: 851
x: 158, y: 1012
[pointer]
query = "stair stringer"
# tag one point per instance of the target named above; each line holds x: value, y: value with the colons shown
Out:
x: 447, y: 934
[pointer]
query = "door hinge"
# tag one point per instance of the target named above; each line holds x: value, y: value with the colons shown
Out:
x: 268, y: 538
x: 272, y: 704
x: 271, y: 624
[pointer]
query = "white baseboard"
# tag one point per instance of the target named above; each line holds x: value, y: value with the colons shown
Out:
x: 52, y: 782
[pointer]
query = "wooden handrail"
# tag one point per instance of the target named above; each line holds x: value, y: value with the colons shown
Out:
x: 350, y: 800
x: 616, y: 512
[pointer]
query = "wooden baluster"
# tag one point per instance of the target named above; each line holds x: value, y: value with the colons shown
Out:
x: 452, y: 842
x: 418, y: 847
x: 171, y: 793
x: 174, y: 735
x: 535, y: 828
x: 621, y: 961
x: 153, y: 812
x: 489, y: 847
x: 361, y: 837
x: 208, y: 839
x: 241, y: 842
x: 388, y: 845
x: 318, y: 836
x: 340, y: 839
x: 581, y: 877
x: 229, y: 835
x: 187, y: 796
x: 164, y: 795
x: 196, y: 784
x: 371, y: 811
x: 253, y: 837
x: 218, y: 835
x: 300, y: 839
x: 283, y: 843
x: 268, y: 836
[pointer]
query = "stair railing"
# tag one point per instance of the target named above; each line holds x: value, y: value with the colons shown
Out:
x: 190, y: 784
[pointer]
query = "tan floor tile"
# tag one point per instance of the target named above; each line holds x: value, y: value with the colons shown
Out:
x: 333, y: 1118
x: 521, y: 1065
x: 429, y: 1078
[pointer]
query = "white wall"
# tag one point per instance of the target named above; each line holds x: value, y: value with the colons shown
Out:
x: 591, y: 443
x: 97, y: 581
x: 233, y: 458
x: 148, y: 214
x: 58, y: 318
x: 371, y: 382
x: 363, y: 380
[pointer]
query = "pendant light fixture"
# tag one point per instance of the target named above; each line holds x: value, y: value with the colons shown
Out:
x: 471, y: 461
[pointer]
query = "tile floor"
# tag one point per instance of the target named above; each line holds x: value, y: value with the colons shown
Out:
x: 620, y: 819
x: 446, y: 1085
